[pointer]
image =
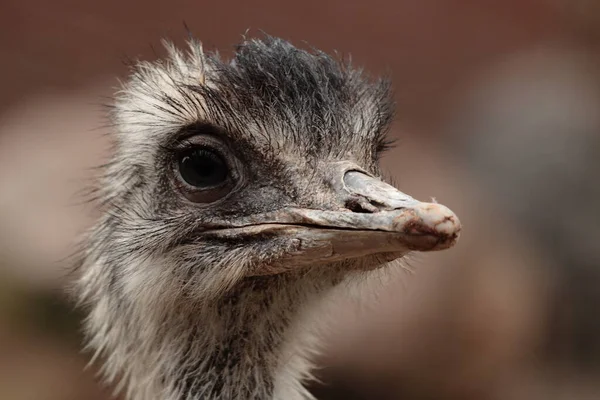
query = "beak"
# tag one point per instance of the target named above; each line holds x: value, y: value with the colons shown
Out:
x: 378, y: 219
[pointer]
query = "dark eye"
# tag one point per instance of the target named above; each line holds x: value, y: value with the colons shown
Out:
x: 203, y: 174
x: 202, y: 168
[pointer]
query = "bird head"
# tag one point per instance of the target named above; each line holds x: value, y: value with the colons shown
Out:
x: 263, y: 165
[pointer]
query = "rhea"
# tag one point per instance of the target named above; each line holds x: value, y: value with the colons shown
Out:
x: 239, y: 194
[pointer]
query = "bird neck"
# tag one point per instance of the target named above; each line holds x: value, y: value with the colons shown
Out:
x: 252, y: 343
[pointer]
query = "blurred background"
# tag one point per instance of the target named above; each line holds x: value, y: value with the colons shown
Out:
x: 498, y: 118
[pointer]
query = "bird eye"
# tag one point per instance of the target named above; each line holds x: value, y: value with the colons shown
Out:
x: 204, y: 174
x: 202, y: 168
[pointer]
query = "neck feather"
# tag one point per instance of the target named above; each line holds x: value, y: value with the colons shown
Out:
x: 251, y: 343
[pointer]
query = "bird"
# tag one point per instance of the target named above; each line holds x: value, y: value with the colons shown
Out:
x: 239, y: 192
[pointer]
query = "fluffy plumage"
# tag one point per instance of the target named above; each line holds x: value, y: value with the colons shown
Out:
x: 174, y: 311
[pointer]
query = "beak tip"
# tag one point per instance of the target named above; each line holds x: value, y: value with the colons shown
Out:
x: 433, y: 221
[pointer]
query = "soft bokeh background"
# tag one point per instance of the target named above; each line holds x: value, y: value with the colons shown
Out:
x: 499, y: 119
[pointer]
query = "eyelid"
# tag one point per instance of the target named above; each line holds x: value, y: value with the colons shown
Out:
x: 198, y: 140
x: 200, y: 129
x: 204, y: 141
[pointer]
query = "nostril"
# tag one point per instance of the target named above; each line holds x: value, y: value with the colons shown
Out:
x: 360, y: 205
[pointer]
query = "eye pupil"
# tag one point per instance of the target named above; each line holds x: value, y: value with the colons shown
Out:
x: 202, y: 168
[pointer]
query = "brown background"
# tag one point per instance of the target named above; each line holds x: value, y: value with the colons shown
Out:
x: 497, y: 104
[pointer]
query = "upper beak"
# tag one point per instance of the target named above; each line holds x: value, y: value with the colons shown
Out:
x: 378, y: 219
x: 386, y: 212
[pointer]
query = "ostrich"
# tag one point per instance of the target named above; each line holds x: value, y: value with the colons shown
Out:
x: 239, y: 194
